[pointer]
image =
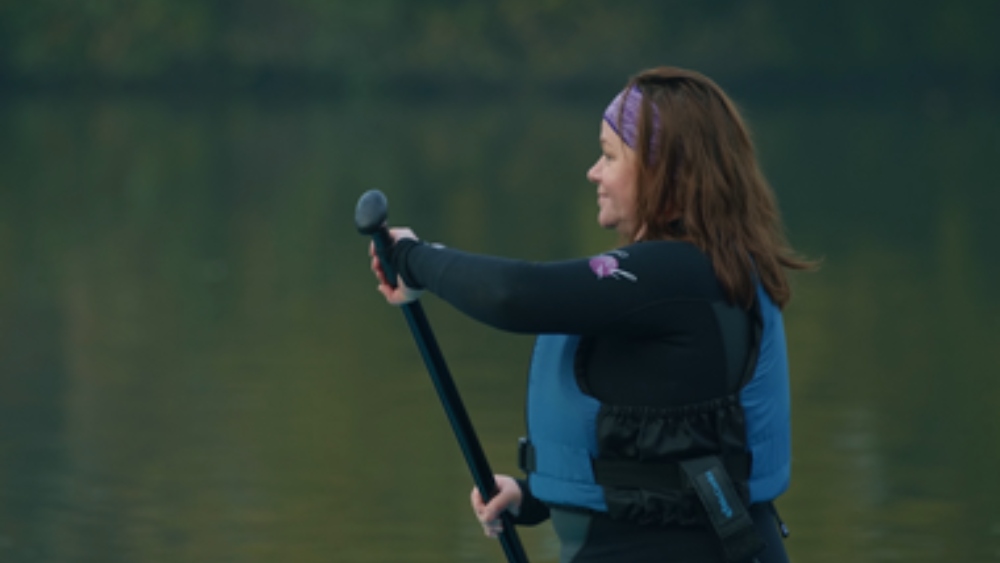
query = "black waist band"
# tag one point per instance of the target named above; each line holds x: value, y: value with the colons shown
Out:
x: 660, y: 476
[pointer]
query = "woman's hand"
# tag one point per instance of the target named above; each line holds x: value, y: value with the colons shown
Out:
x: 508, y: 497
x: 399, y: 295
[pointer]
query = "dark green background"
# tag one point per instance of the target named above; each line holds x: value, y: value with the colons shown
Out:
x: 195, y: 365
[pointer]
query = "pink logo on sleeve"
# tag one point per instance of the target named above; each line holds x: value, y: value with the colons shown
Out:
x: 606, y: 265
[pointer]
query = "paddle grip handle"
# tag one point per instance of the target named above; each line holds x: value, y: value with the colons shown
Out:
x: 370, y: 218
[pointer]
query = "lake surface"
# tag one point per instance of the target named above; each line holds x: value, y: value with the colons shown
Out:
x: 195, y: 365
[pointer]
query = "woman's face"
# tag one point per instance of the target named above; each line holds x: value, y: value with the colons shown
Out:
x: 615, y: 175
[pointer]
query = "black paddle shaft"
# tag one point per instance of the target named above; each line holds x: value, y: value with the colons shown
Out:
x: 370, y: 219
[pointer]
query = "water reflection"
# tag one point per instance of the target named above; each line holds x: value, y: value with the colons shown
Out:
x: 196, y: 365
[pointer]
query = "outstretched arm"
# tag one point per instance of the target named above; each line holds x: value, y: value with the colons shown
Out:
x: 585, y: 296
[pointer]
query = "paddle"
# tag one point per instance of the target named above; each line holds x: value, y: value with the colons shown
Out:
x: 370, y: 219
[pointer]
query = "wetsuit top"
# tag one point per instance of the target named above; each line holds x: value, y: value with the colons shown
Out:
x: 650, y: 305
x: 650, y: 313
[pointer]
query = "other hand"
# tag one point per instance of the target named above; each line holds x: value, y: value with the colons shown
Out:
x: 508, y: 497
x: 401, y: 294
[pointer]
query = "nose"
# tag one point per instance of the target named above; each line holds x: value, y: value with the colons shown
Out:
x: 593, y: 175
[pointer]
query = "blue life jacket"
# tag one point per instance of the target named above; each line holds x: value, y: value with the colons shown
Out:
x: 569, y: 431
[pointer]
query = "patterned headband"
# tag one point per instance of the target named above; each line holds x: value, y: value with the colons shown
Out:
x: 623, y: 116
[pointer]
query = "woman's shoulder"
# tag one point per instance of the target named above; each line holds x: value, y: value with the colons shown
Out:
x: 665, y: 250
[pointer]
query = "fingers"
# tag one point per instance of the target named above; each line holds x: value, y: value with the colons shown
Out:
x: 477, y: 500
x: 486, y: 514
x: 489, y: 519
x: 379, y: 272
x: 493, y: 528
x: 398, y: 233
x: 390, y: 293
x: 383, y: 287
x: 398, y: 293
x: 386, y: 292
x: 507, y: 498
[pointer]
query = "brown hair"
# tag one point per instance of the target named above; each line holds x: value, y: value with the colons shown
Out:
x: 703, y: 184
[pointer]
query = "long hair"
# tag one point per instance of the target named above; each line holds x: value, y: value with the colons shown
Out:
x: 703, y: 184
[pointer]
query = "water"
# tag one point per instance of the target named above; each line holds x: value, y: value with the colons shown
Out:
x: 196, y: 366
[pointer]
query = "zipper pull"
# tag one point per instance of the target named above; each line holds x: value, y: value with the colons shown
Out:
x: 781, y: 523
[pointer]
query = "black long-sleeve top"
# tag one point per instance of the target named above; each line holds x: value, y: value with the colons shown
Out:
x: 657, y: 327
x: 663, y: 331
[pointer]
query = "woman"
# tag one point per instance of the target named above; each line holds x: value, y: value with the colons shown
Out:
x: 658, y: 404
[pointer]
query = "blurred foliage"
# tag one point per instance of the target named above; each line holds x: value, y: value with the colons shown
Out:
x: 443, y: 45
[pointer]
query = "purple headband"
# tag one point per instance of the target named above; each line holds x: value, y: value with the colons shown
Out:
x: 623, y: 116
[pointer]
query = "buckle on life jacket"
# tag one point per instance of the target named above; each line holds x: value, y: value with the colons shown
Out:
x: 526, y: 455
x: 726, y: 513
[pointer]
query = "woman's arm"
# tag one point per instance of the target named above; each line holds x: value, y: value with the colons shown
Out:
x: 586, y: 296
